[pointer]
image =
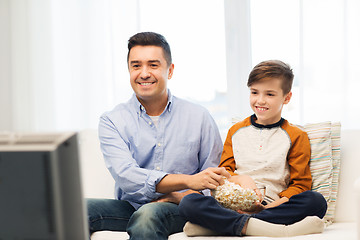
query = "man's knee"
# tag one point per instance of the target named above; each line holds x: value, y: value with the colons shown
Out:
x: 155, y: 221
x: 152, y: 214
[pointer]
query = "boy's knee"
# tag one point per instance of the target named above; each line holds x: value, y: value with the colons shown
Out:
x: 186, y: 206
x: 316, y: 203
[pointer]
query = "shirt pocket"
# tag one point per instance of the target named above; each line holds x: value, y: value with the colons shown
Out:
x: 185, y: 158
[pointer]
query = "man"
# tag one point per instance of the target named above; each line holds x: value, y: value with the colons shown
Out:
x: 157, y: 147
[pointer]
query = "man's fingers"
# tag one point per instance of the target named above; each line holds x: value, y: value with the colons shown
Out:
x: 221, y: 171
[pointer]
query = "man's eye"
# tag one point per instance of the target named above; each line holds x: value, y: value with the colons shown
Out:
x: 136, y: 66
x: 271, y: 94
x: 153, y: 65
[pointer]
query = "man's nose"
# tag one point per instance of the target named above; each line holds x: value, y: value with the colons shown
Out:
x: 145, y: 73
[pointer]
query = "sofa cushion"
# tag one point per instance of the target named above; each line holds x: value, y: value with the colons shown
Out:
x: 325, y: 161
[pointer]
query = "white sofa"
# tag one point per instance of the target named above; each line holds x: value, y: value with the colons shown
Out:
x: 98, y: 183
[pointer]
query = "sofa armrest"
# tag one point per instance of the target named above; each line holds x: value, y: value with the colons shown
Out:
x: 357, y: 205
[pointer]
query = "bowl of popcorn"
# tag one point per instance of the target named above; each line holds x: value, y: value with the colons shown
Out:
x: 235, y: 197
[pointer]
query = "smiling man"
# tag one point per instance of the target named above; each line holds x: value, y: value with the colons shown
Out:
x: 157, y: 147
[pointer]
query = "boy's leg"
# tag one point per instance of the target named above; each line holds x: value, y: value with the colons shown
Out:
x: 308, y: 225
x: 211, y: 215
x: 207, y: 212
x: 308, y: 203
x: 155, y: 220
x: 108, y: 214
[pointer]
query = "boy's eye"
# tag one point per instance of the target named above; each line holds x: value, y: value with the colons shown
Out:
x: 253, y: 92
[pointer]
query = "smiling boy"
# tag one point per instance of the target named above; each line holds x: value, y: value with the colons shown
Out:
x: 273, y: 153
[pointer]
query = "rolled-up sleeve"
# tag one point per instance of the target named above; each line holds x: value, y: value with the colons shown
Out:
x: 138, y: 183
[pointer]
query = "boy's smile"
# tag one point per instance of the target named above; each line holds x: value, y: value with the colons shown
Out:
x: 267, y: 99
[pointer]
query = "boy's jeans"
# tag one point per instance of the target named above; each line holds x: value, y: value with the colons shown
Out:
x: 151, y: 221
x: 207, y: 212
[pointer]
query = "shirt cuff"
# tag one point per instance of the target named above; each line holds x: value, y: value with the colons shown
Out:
x: 154, y: 178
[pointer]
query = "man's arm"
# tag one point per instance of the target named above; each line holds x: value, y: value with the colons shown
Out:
x: 210, y: 178
x: 138, y: 183
x: 207, y: 179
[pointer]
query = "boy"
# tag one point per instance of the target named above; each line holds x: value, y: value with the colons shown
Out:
x: 272, y: 152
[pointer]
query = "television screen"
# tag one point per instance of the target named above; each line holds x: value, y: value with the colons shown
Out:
x: 40, y: 187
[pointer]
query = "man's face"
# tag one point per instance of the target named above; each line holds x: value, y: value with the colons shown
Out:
x: 149, y: 73
x: 267, y: 99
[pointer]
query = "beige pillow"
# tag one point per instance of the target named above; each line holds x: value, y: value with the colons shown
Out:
x: 325, y: 162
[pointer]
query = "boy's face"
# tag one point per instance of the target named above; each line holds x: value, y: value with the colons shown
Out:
x: 267, y: 99
x: 149, y: 72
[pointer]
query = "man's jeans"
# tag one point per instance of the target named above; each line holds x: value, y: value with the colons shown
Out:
x: 151, y: 221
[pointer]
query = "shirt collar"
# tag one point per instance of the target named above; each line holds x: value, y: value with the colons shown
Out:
x: 253, y: 118
x: 141, y: 109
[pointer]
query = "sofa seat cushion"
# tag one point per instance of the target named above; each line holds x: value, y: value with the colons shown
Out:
x: 336, y: 231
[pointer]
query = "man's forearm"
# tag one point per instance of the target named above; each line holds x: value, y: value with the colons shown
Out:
x: 172, y: 183
x: 210, y: 178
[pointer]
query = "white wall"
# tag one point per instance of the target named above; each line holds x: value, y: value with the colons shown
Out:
x: 26, y: 72
x: 5, y: 84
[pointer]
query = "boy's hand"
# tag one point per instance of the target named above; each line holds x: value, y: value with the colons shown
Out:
x: 256, y: 209
x: 246, y: 181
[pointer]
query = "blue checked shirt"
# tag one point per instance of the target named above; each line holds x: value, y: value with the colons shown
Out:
x: 138, y: 154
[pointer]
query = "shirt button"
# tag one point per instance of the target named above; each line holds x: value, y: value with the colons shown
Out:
x: 150, y: 123
x: 157, y: 168
x: 159, y: 144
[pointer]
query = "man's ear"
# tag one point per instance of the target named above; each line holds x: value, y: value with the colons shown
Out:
x: 171, y: 71
x: 288, y: 97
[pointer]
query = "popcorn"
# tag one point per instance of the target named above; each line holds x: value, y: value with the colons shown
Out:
x: 233, y: 196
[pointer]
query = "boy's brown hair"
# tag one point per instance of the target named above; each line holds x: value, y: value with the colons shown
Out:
x: 272, y: 69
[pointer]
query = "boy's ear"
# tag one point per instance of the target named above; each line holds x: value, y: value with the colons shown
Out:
x: 288, y: 97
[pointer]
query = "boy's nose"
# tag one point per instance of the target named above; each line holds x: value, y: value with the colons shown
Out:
x: 261, y: 100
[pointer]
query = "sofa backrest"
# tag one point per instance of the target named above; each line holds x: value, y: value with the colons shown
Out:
x: 98, y: 183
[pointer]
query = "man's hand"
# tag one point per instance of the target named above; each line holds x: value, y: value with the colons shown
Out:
x: 210, y: 178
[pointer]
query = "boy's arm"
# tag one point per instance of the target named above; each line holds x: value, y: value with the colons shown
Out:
x: 227, y: 157
x: 298, y: 159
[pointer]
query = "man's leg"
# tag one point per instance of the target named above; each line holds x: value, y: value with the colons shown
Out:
x: 207, y: 212
x: 155, y: 221
x: 108, y: 214
x: 298, y: 207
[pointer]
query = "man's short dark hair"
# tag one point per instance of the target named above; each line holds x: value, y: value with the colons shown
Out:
x: 150, y: 39
x: 272, y: 69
